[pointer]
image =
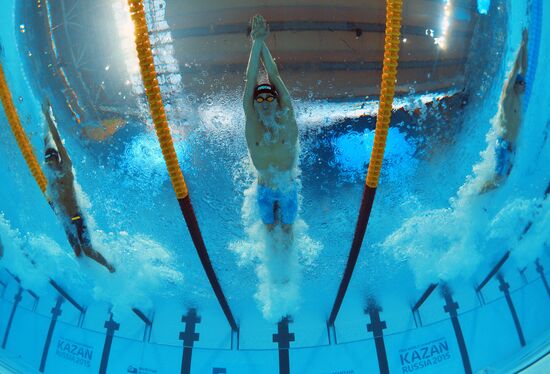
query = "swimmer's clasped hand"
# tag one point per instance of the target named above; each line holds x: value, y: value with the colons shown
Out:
x: 260, y: 30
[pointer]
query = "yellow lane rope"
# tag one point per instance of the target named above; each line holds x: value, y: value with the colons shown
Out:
x: 19, y: 133
x: 387, y: 90
x: 152, y: 89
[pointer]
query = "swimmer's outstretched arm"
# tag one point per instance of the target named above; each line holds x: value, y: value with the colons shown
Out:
x: 275, y: 78
x: 523, y: 52
x: 258, y: 35
x: 520, y: 65
x: 54, y: 133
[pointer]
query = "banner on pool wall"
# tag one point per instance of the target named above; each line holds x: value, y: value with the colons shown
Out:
x: 426, y: 350
x: 74, y: 350
x: 77, y: 353
x: 430, y: 355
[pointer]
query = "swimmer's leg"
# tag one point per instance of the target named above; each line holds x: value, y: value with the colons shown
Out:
x: 289, y: 211
x: 86, y: 245
x: 268, y: 207
x: 503, y: 165
x: 73, y: 240
x: 98, y: 257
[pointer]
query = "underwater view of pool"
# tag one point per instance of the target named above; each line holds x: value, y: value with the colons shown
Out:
x: 252, y: 233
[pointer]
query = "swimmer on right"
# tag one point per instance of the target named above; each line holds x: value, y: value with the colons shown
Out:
x: 508, y: 118
x: 271, y: 134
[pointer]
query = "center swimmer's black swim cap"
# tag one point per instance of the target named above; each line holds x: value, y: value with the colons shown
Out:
x: 265, y: 88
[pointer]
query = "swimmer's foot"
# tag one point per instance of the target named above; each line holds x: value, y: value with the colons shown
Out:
x: 488, y: 186
x: 111, y: 268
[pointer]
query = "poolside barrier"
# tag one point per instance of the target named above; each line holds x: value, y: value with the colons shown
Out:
x: 523, y: 276
x: 13, y: 276
x: 35, y: 297
x: 148, y: 324
x: 389, y: 75
x: 377, y: 327
x: 111, y: 327
x: 451, y: 307
x: 189, y: 337
x: 540, y: 270
x: 492, y: 273
x: 56, y: 312
x: 283, y: 339
x: 156, y: 106
x: 20, y: 136
x: 505, y: 288
x: 416, y: 308
x: 71, y: 300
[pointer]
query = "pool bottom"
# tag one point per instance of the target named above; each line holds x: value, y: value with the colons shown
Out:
x: 469, y: 341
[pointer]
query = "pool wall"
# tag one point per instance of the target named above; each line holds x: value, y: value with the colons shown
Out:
x: 67, y: 340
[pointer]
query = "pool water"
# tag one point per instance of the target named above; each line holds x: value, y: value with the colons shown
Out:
x: 431, y: 241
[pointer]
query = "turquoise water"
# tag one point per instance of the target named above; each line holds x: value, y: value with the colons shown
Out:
x: 428, y: 225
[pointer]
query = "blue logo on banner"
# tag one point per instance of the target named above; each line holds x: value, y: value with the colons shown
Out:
x: 134, y: 370
x: 424, y: 355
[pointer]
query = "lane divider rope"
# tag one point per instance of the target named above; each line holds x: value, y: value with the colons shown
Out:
x: 389, y: 74
x: 19, y: 133
x: 387, y: 90
x: 152, y: 90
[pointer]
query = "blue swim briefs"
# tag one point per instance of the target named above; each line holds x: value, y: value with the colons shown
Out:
x: 286, y: 204
x: 503, y: 152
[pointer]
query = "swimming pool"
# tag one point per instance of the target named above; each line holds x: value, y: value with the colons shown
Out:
x: 417, y: 301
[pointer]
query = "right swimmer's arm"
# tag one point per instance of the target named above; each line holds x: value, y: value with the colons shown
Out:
x: 520, y: 65
x: 523, y: 52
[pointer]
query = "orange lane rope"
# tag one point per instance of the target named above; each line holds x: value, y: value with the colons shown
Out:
x: 387, y: 90
x: 152, y: 89
x: 20, y: 136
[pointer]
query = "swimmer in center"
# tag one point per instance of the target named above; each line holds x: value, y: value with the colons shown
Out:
x: 271, y: 134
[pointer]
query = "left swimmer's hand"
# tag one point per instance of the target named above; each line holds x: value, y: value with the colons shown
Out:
x: 46, y: 106
x: 524, y: 37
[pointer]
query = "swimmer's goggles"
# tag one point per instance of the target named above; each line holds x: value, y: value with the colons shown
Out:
x: 50, y: 152
x: 520, y: 80
x: 269, y: 99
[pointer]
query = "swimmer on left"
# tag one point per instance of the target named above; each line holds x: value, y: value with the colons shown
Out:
x: 271, y: 134
x: 62, y: 187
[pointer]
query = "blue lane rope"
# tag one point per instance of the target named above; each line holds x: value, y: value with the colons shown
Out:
x: 533, y: 47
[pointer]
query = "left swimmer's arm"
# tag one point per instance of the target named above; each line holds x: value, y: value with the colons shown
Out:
x: 65, y: 159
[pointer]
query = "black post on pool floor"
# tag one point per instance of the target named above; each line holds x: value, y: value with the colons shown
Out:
x: 56, y: 312
x: 377, y: 327
x: 189, y: 337
x: 505, y: 288
x: 111, y: 327
x: 16, y: 300
x: 451, y: 307
x: 283, y: 339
